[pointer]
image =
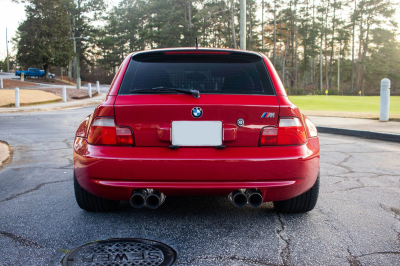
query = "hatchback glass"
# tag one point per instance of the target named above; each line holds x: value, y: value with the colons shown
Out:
x: 215, y: 74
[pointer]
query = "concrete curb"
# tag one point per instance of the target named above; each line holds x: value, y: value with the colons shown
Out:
x: 56, y: 106
x: 360, y: 133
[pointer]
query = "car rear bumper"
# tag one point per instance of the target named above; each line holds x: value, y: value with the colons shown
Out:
x: 279, y: 172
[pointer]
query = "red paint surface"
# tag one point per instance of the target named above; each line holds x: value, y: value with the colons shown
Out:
x: 218, y: 172
x: 146, y: 113
x: 83, y: 127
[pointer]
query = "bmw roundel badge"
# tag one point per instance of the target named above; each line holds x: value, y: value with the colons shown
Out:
x: 197, y: 112
x: 240, y: 122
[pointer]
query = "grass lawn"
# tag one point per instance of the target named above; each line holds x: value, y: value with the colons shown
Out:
x: 26, y: 97
x: 366, y: 104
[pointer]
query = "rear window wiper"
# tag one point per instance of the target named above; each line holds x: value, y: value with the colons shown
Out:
x: 195, y: 93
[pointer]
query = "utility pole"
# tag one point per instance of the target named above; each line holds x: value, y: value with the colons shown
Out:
x: 352, y: 54
x: 76, y: 61
x: 262, y: 25
x: 190, y: 21
x: 233, y: 27
x: 338, y: 72
x: 320, y: 54
x: 243, y: 24
x: 274, y: 31
x: 8, y: 64
x: 78, y: 73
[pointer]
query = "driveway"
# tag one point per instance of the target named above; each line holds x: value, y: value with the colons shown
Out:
x: 356, y: 220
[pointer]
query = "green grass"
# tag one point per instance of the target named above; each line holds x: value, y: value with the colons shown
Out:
x: 366, y: 104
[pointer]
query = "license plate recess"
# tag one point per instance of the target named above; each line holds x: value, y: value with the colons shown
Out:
x: 196, y: 133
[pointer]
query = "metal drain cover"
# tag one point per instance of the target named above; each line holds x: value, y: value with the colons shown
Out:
x: 121, y: 251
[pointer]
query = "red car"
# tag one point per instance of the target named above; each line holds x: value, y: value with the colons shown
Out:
x: 194, y: 121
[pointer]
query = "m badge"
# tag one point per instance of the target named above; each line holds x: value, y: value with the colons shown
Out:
x: 268, y: 115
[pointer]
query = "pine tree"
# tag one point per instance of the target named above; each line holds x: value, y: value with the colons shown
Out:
x: 42, y: 39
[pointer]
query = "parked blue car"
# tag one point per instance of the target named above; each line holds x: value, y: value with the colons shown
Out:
x: 34, y: 72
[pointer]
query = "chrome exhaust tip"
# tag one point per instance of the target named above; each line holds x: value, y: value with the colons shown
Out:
x: 238, y: 198
x: 154, y: 199
x: 254, y: 197
x: 138, y: 198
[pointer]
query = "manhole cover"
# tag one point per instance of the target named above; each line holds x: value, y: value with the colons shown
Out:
x: 121, y: 251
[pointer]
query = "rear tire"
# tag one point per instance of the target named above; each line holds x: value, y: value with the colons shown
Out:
x: 92, y: 203
x: 302, y: 203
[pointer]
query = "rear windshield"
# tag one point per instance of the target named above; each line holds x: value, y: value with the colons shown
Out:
x: 215, y: 74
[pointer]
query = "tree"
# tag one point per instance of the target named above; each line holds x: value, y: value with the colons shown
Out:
x: 42, y: 39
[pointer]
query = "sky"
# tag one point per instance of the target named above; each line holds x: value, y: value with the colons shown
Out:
x: 11, y: 14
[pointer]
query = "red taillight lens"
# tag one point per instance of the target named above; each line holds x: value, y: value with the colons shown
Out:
x: 269, y: 136
x: 124, y: 136
x: 290, y: 131
x: 104, y: 132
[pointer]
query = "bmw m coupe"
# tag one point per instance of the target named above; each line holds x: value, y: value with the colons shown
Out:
x: 196, y: 121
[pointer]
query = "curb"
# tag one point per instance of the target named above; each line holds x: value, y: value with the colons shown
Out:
x: 360, y: 133
x: 31, y: 104
x: 47, y: 109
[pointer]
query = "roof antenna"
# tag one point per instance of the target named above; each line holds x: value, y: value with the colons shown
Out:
x: 196, y: 45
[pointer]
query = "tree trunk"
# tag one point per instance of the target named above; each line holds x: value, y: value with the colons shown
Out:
x: 295, y: 43
x: 262, y: 26
x: 326, y: 48
x: 332, y: 43
x: 250, y: 30
x: 363, y: 58
x: 359, y: 59
x: 46, y: 71
x: 305, y: 51
x: 352, y: 53
x: 284, y: 60
x: 320, y: 54
x: 274, y: 32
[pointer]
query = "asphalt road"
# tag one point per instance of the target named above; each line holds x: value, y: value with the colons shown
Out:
x: 5, y: 75
x: 356, y: 220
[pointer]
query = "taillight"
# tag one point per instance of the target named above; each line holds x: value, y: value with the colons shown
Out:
x: 269, y: 136
x: 312, y: 130
x: 104, y: 132
x: 290, y: 131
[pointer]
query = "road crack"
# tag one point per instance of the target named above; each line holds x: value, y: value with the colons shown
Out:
x: 353, y: 260
x: 228, y: 258
x: 20, y: 239
x: 284, y: 241
x: 360, y: 187
x: 391, y: 210
x: 67, y: 142
x: 31, y: 190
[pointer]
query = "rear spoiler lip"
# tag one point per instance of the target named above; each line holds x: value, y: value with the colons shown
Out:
x: 210, y: 51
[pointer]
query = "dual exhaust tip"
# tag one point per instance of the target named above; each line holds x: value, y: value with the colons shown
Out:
x: 242, y: 197
x: 150, y: 198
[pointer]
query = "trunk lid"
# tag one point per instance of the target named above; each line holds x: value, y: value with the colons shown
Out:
x: 151, y: 115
